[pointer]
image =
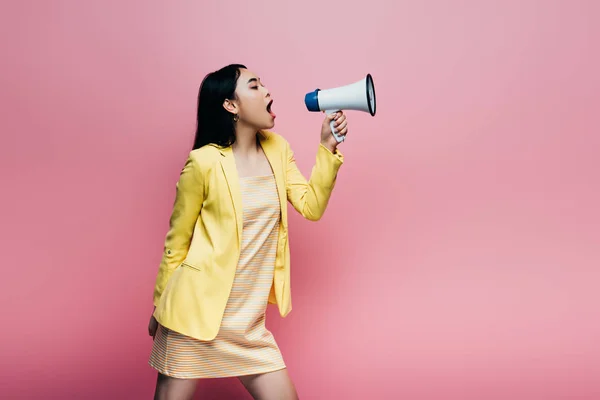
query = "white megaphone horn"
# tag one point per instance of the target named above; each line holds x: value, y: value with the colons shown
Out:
x: 359, y: 96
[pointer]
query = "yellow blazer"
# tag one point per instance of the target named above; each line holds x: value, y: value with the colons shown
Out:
x: 203, y: 242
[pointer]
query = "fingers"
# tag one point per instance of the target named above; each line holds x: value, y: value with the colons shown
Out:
x: 342, y: 132
x: 152, y: 333
x: 334, y: 115
x: 341, y: 125
x: 152, y: 326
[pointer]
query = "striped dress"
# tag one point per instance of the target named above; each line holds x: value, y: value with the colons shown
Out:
x: 243, y: 345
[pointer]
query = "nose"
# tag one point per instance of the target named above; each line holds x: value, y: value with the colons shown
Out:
x: 267, y: 93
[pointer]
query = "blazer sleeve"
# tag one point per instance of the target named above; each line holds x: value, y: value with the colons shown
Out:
x: 310, y: 198
x: 189, y: 196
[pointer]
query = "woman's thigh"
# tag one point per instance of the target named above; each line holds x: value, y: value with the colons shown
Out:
x: 275, y: 385
x: 168, y: 388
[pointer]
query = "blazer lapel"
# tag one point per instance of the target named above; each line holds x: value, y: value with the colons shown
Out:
x: 231, y: 175
x: 274, y: 156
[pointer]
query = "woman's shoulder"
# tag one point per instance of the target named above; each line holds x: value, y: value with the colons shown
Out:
x: 206, y: 156
x: 209, y: 154
x: 207, y: 151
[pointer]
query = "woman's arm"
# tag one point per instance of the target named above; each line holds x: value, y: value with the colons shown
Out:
x: 189, y: 197
x: 310, y: 198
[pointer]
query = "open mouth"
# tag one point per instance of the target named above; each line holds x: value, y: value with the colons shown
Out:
x: 269, y: 109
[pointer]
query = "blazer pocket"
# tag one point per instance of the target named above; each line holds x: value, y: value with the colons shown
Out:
x: 188, y: 265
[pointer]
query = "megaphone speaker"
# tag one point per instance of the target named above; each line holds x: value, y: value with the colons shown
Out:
x: 359, y: 96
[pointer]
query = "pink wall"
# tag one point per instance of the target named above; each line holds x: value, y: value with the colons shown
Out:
x: 458, y: 260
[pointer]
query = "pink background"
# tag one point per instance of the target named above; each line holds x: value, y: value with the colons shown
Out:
x: 459, y: 256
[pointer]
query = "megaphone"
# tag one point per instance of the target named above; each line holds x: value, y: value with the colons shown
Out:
x: 359, y: 96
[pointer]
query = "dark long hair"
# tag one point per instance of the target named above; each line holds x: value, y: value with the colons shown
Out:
x: 214, y: 123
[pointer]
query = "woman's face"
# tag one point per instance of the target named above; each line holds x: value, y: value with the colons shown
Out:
x: 253, y: 103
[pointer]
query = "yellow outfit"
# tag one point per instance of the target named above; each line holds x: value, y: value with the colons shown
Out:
x: 199, y: 274
x: 243, y: 345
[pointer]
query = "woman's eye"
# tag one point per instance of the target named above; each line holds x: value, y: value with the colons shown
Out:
x: 254, y: 87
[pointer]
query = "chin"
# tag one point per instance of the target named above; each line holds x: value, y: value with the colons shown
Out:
x: 268, y: 125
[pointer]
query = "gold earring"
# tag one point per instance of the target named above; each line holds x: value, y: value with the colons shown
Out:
x: 236, y: 118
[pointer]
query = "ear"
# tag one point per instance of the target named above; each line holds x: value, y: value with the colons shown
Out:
x: 230, y: 106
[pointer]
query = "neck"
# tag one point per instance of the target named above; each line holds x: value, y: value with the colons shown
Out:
x: 245, y: 140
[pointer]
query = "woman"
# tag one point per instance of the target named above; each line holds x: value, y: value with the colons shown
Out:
x: 226, y: 254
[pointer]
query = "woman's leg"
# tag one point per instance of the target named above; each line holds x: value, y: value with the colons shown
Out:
x: 168, y: 388
x: 275, y: 385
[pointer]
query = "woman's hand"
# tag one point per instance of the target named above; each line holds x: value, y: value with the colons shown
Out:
x: 152, y: 325
x: 340, y: 125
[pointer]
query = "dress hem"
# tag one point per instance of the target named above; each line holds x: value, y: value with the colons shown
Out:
x: 196, y: 376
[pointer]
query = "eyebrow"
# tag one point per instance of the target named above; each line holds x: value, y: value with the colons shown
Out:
x: 252, y: 80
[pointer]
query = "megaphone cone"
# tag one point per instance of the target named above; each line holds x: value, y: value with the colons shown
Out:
x: 358, y: 96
